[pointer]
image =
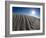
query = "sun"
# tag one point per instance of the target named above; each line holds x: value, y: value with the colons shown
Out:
x: 33, y: 12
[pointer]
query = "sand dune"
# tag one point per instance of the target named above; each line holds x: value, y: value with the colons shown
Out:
x: 23, y: 22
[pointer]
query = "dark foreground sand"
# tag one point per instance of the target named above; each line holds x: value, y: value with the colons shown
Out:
x: 22, y: 22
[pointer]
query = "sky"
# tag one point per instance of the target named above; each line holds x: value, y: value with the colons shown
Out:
x: 26, y: 11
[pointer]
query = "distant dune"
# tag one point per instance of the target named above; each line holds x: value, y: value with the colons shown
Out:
x: 23, y: 22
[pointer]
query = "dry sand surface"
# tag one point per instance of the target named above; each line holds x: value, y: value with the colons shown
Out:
x: 23, y: 22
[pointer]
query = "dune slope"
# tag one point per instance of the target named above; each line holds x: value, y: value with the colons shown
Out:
x: 23, y: 22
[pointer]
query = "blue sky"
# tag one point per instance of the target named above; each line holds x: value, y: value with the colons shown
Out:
x: 26, y: 11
